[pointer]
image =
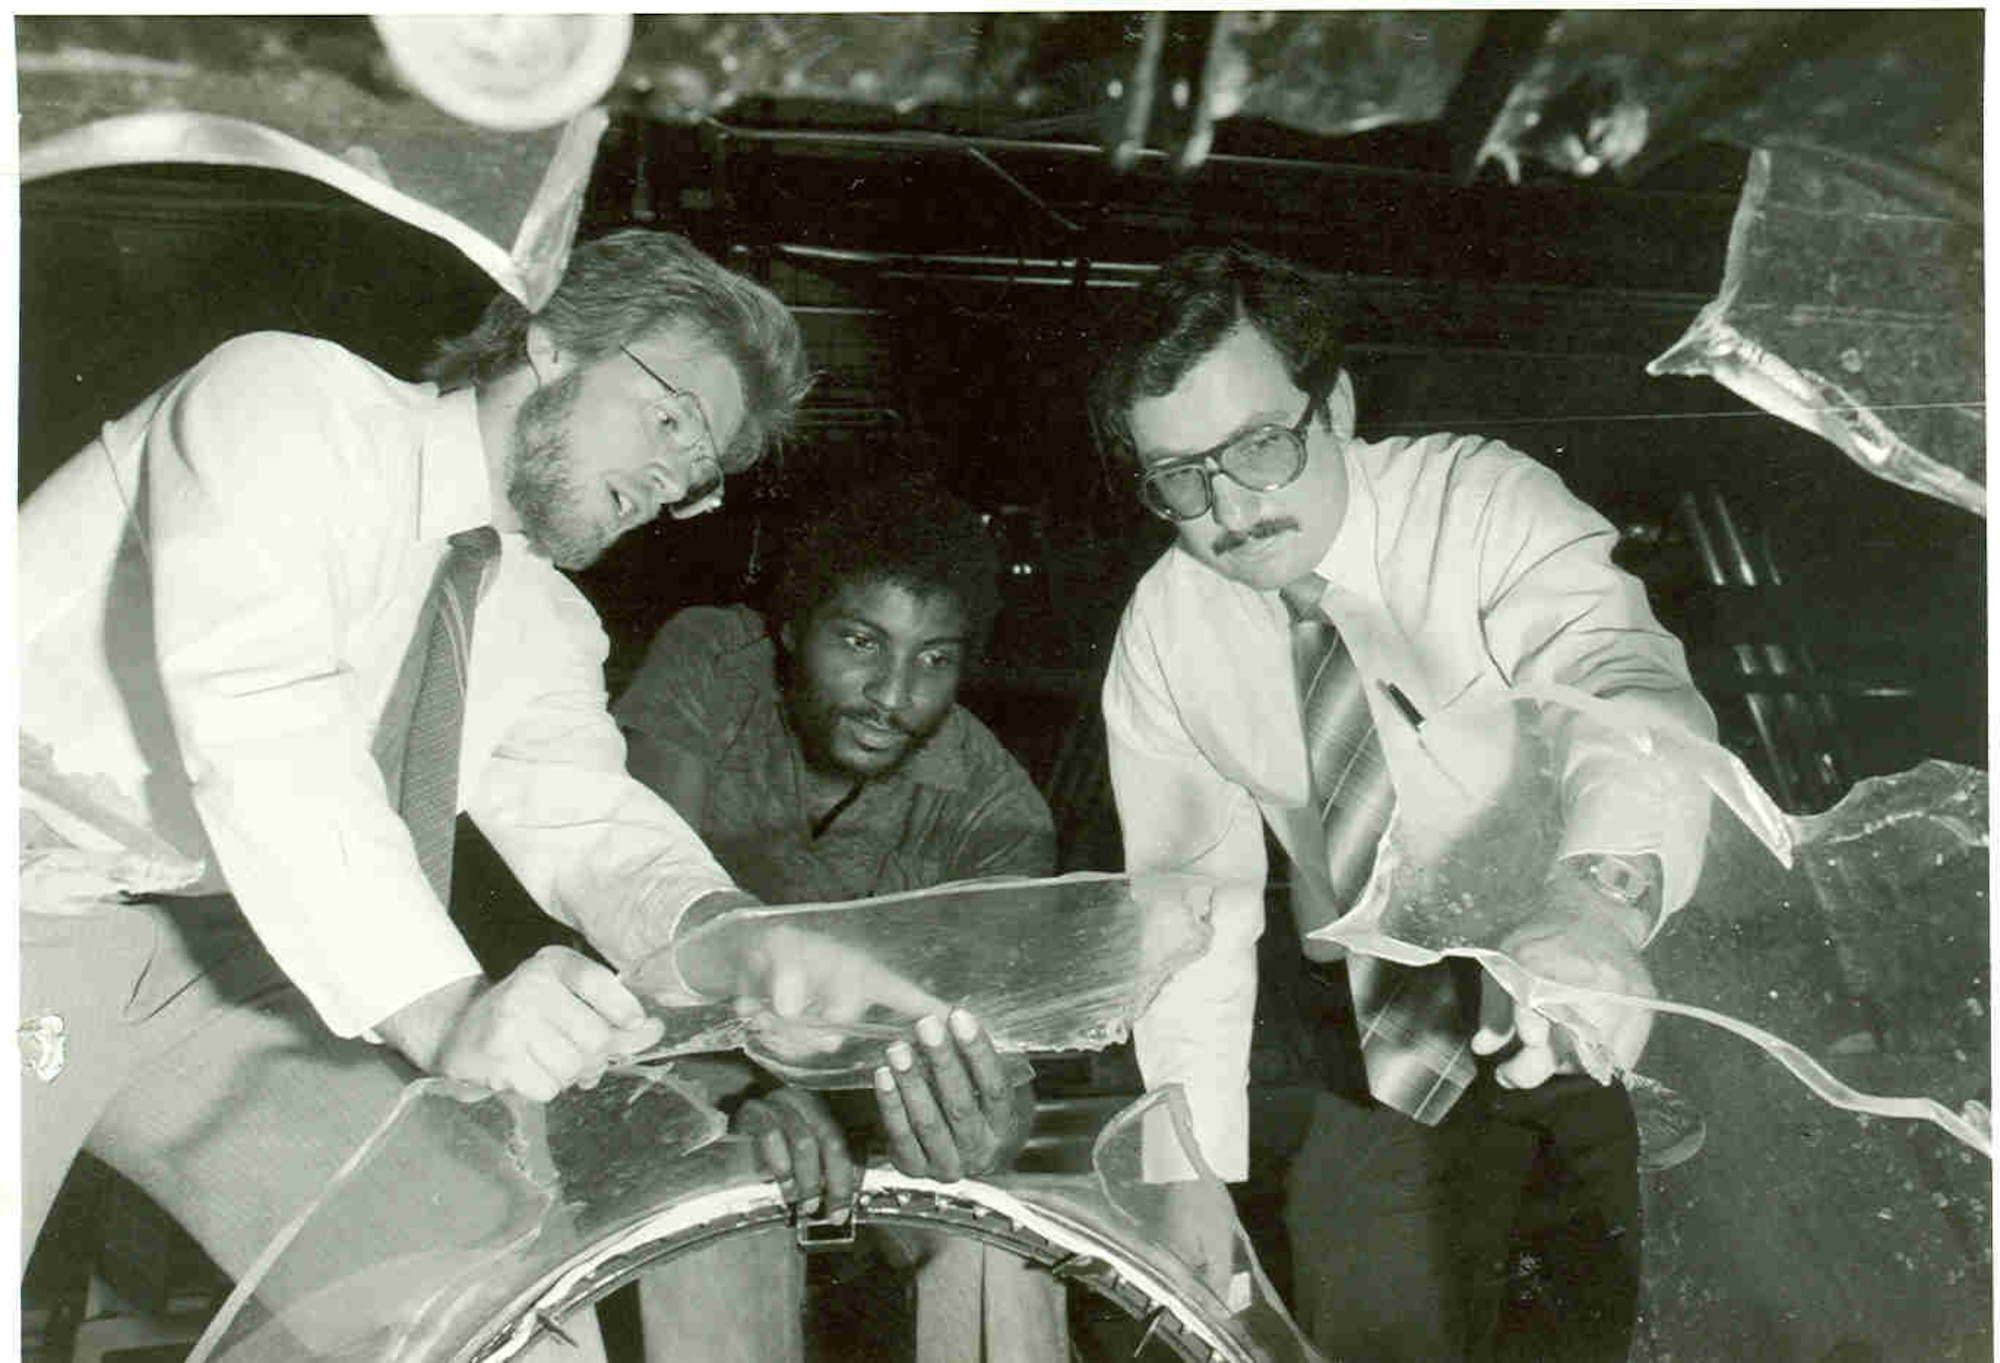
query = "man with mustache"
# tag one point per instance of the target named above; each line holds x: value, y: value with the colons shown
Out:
x: 279, y: 624
x: 1410, y: 576
x: 822, y: 754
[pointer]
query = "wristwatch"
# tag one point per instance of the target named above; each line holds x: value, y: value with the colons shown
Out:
x: 1629, y: 880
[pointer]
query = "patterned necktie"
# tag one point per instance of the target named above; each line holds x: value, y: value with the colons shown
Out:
x: 418, y: 741
x: 1414, y: 1042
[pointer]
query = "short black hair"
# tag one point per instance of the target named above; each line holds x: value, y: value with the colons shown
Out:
x: 905, y: 530
x: 1190, y: 307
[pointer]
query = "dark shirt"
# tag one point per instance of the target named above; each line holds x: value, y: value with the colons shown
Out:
x: 959, y: 808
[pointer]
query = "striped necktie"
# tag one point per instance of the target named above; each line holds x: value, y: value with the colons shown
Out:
x: 1414, y: 1041
x: 418, y: 741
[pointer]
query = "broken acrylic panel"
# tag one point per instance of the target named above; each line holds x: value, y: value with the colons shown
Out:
x: 1819, y: 1004
x: 1853, y: 311
x: 1045, y: 965
x: 535, y: 1210
x: 456, y: 1204
x: 1892, y: 881
x: 1813, y: 965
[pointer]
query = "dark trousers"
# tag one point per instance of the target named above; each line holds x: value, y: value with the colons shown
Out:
x: 1509, y: 1231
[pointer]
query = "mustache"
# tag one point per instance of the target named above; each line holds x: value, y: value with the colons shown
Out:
x: 878, y: 718
x: 1231, y: 540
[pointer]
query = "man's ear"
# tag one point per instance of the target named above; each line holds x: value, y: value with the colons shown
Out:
x: 1340, y: 407
x: 788, y: 638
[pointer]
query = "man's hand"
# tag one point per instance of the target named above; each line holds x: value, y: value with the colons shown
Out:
x: 558, y: 1020
x: 947, y: 1105
x: 802, y: 986
x: 1201, y: 1229
x: 1582, y: 937
x: 800, y: 1146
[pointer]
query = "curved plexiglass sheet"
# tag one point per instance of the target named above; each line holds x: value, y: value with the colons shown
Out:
x: 1892, y: 882
x: 163, y: 89
x: 537, y: 1208
x: 1821, y: 1012
x: 1045, y: 965
x: 1819, y: 999
x: 1853, y: 311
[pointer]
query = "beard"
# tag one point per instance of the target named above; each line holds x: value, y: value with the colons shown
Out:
x: 541, y: 483
x: 815, y: 721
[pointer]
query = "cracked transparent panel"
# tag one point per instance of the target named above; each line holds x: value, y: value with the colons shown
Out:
x: 1254, y: 1316
x: 1820, y: 1012
x: 530, y: 1209
x: 459, y: 1201
x: 305, y: 95
x: 1819, y: 1001
x: 1045, y: 965
x: 1887, y: 890
x: 1854, y: 312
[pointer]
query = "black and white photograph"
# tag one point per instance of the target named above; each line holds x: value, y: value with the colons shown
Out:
x: 1012, y: 686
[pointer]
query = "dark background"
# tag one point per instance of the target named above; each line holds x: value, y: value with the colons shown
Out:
x: 1835, y: 621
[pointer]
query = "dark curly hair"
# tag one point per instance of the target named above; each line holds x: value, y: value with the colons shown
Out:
x: 1189, y: 307
x: 908, y: 531
x: 628, y: 285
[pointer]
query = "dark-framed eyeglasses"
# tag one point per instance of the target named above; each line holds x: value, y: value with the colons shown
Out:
x: 693, y: 441
x: 1262, y: 459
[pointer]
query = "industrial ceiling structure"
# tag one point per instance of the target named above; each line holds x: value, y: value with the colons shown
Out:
x: 1492, y: 174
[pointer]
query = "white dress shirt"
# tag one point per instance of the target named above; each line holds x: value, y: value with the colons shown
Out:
x: 1462, y: 568
x: 216, y: 596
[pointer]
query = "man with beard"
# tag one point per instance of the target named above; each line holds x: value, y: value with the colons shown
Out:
x: 823, y: 756
x: 254, y: 697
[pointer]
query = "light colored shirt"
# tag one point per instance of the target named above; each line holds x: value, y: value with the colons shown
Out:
x: 216, y: 596
x: 1462, y: 568
x: 959, y: 808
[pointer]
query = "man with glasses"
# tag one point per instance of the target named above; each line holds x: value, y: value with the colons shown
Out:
x: 1322, y: 588
x: 280, y: 623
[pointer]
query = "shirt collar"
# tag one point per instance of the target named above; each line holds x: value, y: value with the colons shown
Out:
x: 1350, y: 559
x: 940, y: 762
x: 453, y: 491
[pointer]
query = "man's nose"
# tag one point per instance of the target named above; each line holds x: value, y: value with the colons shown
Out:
x: 1235, y: 507
x: 638, y: 499
x: 672, y: 478
x: 646, y: 493
x: 889, y: 685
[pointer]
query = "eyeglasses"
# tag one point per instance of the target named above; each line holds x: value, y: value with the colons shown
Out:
x: 1262, y: 459
x: 704, y: 491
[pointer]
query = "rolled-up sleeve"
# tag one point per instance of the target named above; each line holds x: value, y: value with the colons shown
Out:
x: 1177, y: 813
x: 250, y: 579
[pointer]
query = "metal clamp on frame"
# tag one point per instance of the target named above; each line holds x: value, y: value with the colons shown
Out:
x: 832, y: 1230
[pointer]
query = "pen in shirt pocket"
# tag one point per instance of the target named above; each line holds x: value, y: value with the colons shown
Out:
x: 1416, y: 719
x: 1403, y: 705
